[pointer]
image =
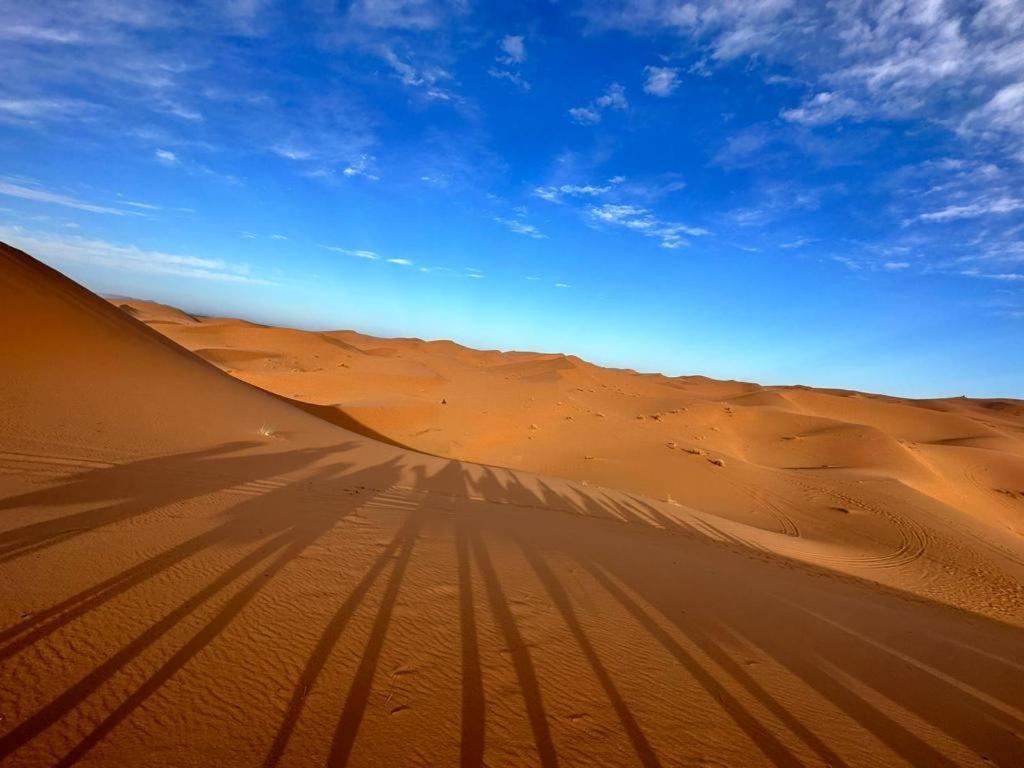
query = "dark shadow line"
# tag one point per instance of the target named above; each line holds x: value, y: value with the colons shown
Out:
x: 929, y: 708
x: 89, y: 599
x: 70, y: 698
x: 198, y: 641
x: 787, y: 718
x: 473, y: 701
x: 766, y: 741
x: 563, y: 603
x: 520, y: 653
x: 328, y: 639
x: 359, y: 693
x: 909, y: 746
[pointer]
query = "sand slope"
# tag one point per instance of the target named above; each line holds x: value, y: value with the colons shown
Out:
x: 177, y: 588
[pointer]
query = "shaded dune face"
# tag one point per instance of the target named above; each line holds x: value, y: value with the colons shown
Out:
x: 194, y: 571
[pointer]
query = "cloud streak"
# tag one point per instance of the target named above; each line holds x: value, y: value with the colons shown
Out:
x: 126, y: 258
x: 37, y: 195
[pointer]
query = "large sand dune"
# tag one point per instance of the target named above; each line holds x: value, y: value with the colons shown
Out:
x: 678, y: 572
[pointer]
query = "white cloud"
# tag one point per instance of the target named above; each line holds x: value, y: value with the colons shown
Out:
x: 613, y: 98
x: 43, y: 196
x: 128, y: 258
x: 38, y: 108
x: 1004, y: 111
x: 555, y: 194
x: 362, y: 254
x: 181, y: 111
x: 166, y: 157
x: 425, y: 79
x: 292, y: 153
x: 278, y: 237
x: 896, y: 265
x: 562, y: 285
x: 661, y: 81
x: 640, y: 220
x: 363, y: 167
x: 823, y: 108
x: 513, y: 48
x: 521, y: 228
x: 974, y: 210
x: 585, y: 115
x: 401, y: 262
x: 957, y: 63
x: 800, y: 242
x: 513, y: 77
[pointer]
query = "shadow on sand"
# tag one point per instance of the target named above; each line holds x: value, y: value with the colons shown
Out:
x: 837, y: 653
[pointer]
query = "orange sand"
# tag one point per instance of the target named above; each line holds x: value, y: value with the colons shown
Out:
x: 197, y: 572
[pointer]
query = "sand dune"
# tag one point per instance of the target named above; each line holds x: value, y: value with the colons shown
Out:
x: 788, y: 457
x: 567, y: 565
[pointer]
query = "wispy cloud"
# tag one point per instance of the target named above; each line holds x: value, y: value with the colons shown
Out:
x: 128, y: 258
x: 512, y: 53
x: 823, y: 108
x: 400, y: 262
x: 513, y: 77
x: 292, y: 153
x: 31, y: 109
x: 166, y: 157
x: 513, y: 49
x: 521, y: 227
x: 38, y: 195
x: 362, y: 254
x: 613, y: 98
x: 974, y: 210
x: 361, y: 167
x: 555, y: 194
x: 585, y: 115
x: 640, y: 220
x: 425, y: 79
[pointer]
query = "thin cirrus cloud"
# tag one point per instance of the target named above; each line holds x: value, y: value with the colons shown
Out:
x: 358, y: 253
x: 127, y: 258
x: 642, y: 221
x: 974, y: 210
x: 35, y: 194
x: 521, y: 227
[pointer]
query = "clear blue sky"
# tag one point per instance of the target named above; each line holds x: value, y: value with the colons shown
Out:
x: 767, y: 190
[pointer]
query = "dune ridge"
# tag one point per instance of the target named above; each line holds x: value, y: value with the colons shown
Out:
x: 194, y: 570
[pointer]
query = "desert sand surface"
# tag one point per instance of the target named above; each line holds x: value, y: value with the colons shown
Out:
x: 235, y: 545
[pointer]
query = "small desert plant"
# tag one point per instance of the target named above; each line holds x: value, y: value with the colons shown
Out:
x: 267, y: 431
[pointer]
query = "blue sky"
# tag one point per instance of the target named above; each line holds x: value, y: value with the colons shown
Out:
x: 769, y: 190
